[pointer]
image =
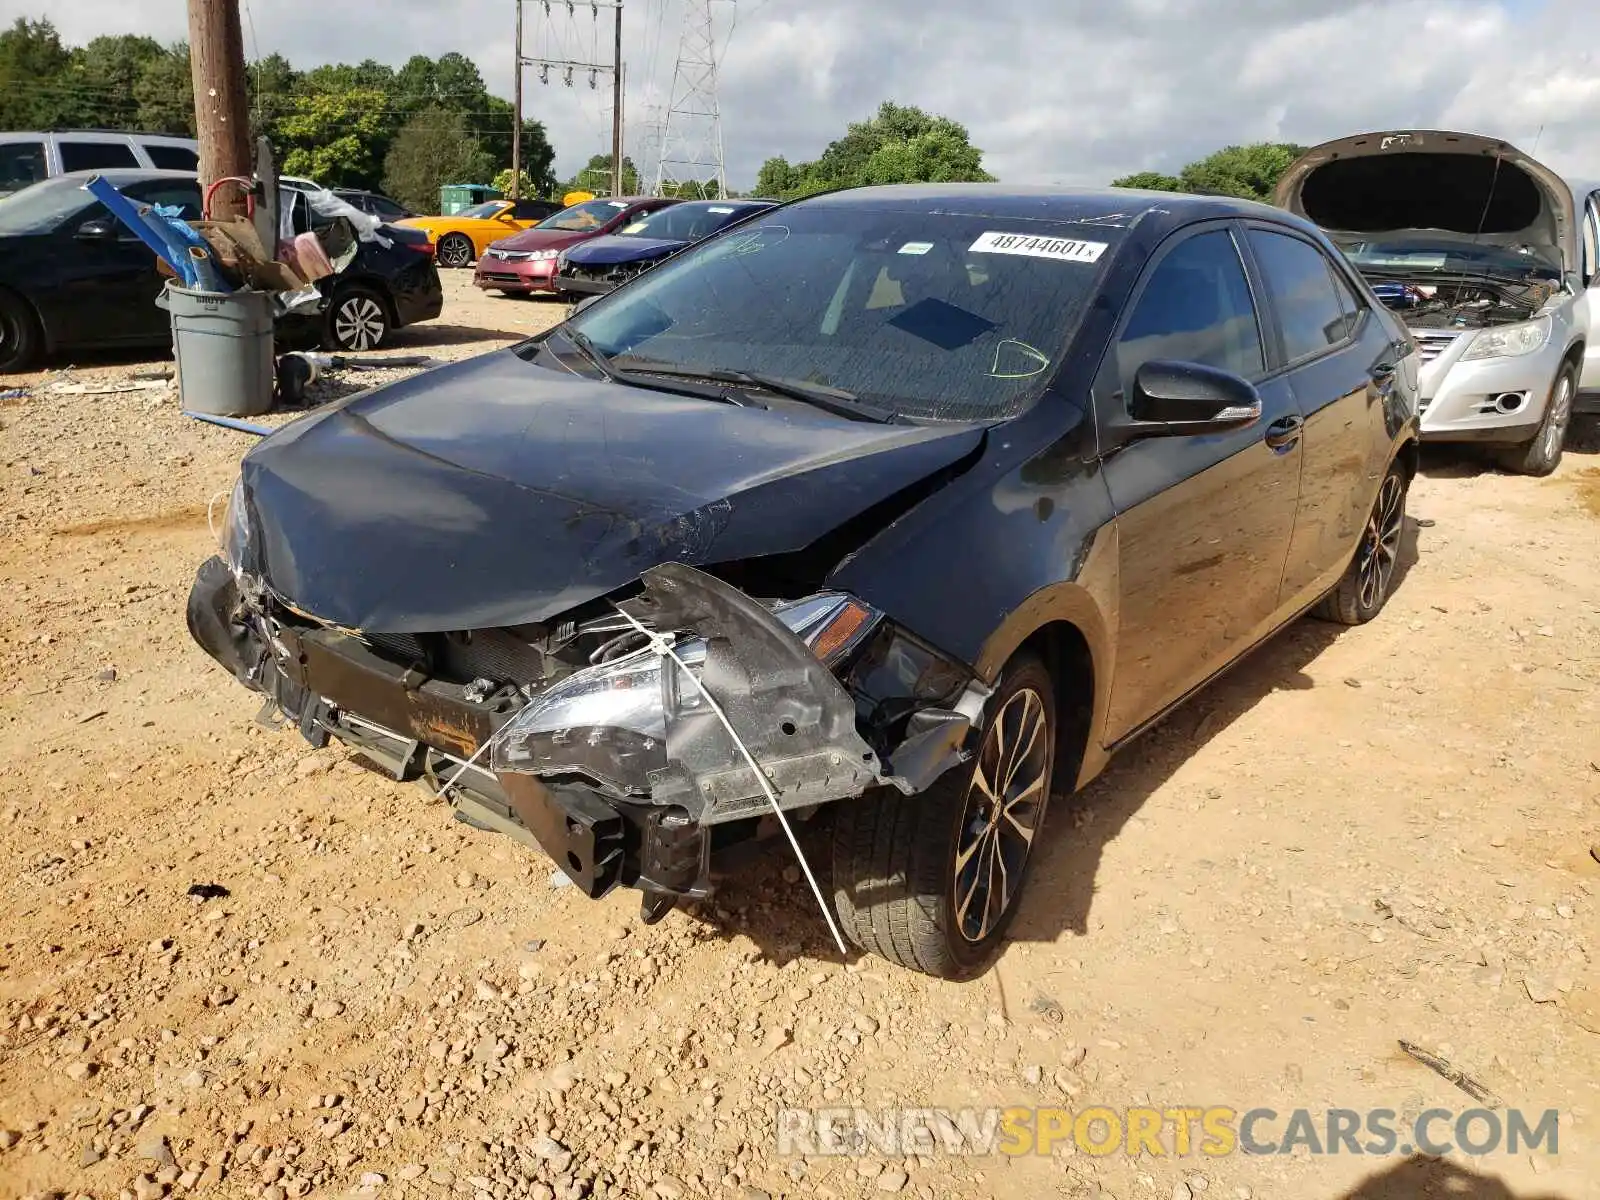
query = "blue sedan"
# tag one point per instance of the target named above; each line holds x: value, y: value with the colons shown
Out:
x: 593, y: 267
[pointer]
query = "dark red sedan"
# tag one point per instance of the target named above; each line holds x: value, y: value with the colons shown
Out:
x: 526, y: 262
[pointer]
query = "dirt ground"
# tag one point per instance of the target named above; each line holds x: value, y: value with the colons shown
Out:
x: 1358, y: 837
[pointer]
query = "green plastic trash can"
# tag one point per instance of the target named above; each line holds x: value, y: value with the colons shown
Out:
x: 223, y: 345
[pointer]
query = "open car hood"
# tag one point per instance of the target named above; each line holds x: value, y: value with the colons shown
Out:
x: 1434, y: 180
x: 496, y: 492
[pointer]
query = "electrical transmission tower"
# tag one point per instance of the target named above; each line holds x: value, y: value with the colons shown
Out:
x: 691, y: 127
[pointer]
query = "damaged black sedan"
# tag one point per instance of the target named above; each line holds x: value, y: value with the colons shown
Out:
x: 897, y: 508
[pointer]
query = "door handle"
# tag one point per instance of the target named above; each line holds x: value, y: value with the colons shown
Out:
x: 1284, y: 432
x: 1383, y: 377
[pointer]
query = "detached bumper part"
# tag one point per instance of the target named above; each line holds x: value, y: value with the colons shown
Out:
x: 683, y: 792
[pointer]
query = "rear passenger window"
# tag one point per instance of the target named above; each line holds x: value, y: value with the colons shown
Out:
x: 1196, y: 307
x: 173, y: 158
x: 21, y: 163
x: 1301, y: 281
x: 96, y: 156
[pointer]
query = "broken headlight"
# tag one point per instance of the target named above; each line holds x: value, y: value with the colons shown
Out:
x: 608, y: 722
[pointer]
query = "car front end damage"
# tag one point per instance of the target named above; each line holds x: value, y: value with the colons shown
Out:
x: 580, y: 737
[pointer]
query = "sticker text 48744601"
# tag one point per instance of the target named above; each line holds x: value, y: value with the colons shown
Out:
x: 1061, y: 249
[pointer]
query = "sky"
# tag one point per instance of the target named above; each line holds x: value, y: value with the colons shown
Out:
x: 1053, y: 91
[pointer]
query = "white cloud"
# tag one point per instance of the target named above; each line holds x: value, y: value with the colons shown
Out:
x: 1075, y: 91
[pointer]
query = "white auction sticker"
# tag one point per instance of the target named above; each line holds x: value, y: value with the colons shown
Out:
x: 1062, y: 249
x: 714, y: 208
x: 915, y: 248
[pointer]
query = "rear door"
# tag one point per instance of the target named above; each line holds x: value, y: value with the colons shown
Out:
x: 1340, y: 364
x: 1203, y: 523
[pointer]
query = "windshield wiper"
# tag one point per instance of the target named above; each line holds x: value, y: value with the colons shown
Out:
x: 613, y: 374
x: 829, y: 399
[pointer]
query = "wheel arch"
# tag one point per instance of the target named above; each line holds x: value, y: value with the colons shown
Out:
x: 1066, y: 627
x: 47, y: 343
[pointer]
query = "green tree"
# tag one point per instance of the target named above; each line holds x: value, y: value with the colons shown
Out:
x: 334, y: 137
x: 1249, y: 172
x: 273, y: 84
x: 596, y: 177
x: 165, y: 93
x: 36, y: 87
x: 901, y: 144
x: 528, y: 189
x: 776, y: 177
x: 433, y: 148
x: 1150, y: 181
x: 105, y: 75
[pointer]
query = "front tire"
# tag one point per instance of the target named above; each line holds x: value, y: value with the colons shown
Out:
x: 454, y: 250
x: 1543, y: 454
x: 357, y: 320
x: 931, y: 881
x: 1363, y: 591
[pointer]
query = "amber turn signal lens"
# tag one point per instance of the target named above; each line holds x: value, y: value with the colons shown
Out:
x: 840, y: 631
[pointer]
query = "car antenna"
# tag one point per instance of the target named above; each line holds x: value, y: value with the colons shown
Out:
x: 662, y: 645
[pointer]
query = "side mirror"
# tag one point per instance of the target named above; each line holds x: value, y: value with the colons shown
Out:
x: 100, y: 229
x: 1183, y: 399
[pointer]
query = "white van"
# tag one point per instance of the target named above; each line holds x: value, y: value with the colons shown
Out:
x: 26, y: 158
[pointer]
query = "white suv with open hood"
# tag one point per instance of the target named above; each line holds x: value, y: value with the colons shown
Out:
x: 1477, y: 248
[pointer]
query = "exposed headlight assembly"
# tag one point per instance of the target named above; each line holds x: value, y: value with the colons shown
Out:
x: 608, y: 722
x: 1509, y: 341
x: 235, y: 537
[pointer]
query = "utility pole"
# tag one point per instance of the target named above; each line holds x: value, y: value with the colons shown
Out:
x: 516, y: 130
x: 221, y: 109
x: 595, y: 68
x: 616, y: 110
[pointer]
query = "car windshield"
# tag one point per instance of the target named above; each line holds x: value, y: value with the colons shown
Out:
x: 929, y: 315
x: 591, y: 214
x: 44, y: 207
x: 1427, y: 255
x: 681, y: 222
x: 483, y: 212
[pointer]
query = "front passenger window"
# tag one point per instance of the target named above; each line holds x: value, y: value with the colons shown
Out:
x: 1195, y: 307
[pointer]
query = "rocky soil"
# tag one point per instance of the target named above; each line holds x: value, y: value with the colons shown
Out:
x: 231, y: 966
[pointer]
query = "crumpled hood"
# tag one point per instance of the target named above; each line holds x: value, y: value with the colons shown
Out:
x: 495, y: 492
x: 1434, y: 180
x: 614, y: 250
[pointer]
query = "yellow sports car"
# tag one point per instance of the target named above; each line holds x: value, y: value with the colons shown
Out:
x: 464, y: 237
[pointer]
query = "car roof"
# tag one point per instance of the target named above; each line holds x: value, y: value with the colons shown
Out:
x: 118, y: 176
x: 1114, y: 207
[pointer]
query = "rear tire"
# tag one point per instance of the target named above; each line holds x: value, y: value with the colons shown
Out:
x: 931, y: 881
x: 1543, y: 454
x: 1364, y: 590
x: 454, y: 250
x: 358, y: 319
x: 19, y: 334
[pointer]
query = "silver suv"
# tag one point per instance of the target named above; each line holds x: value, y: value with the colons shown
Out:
x: 1478, y: 248
x: 26, y: 158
